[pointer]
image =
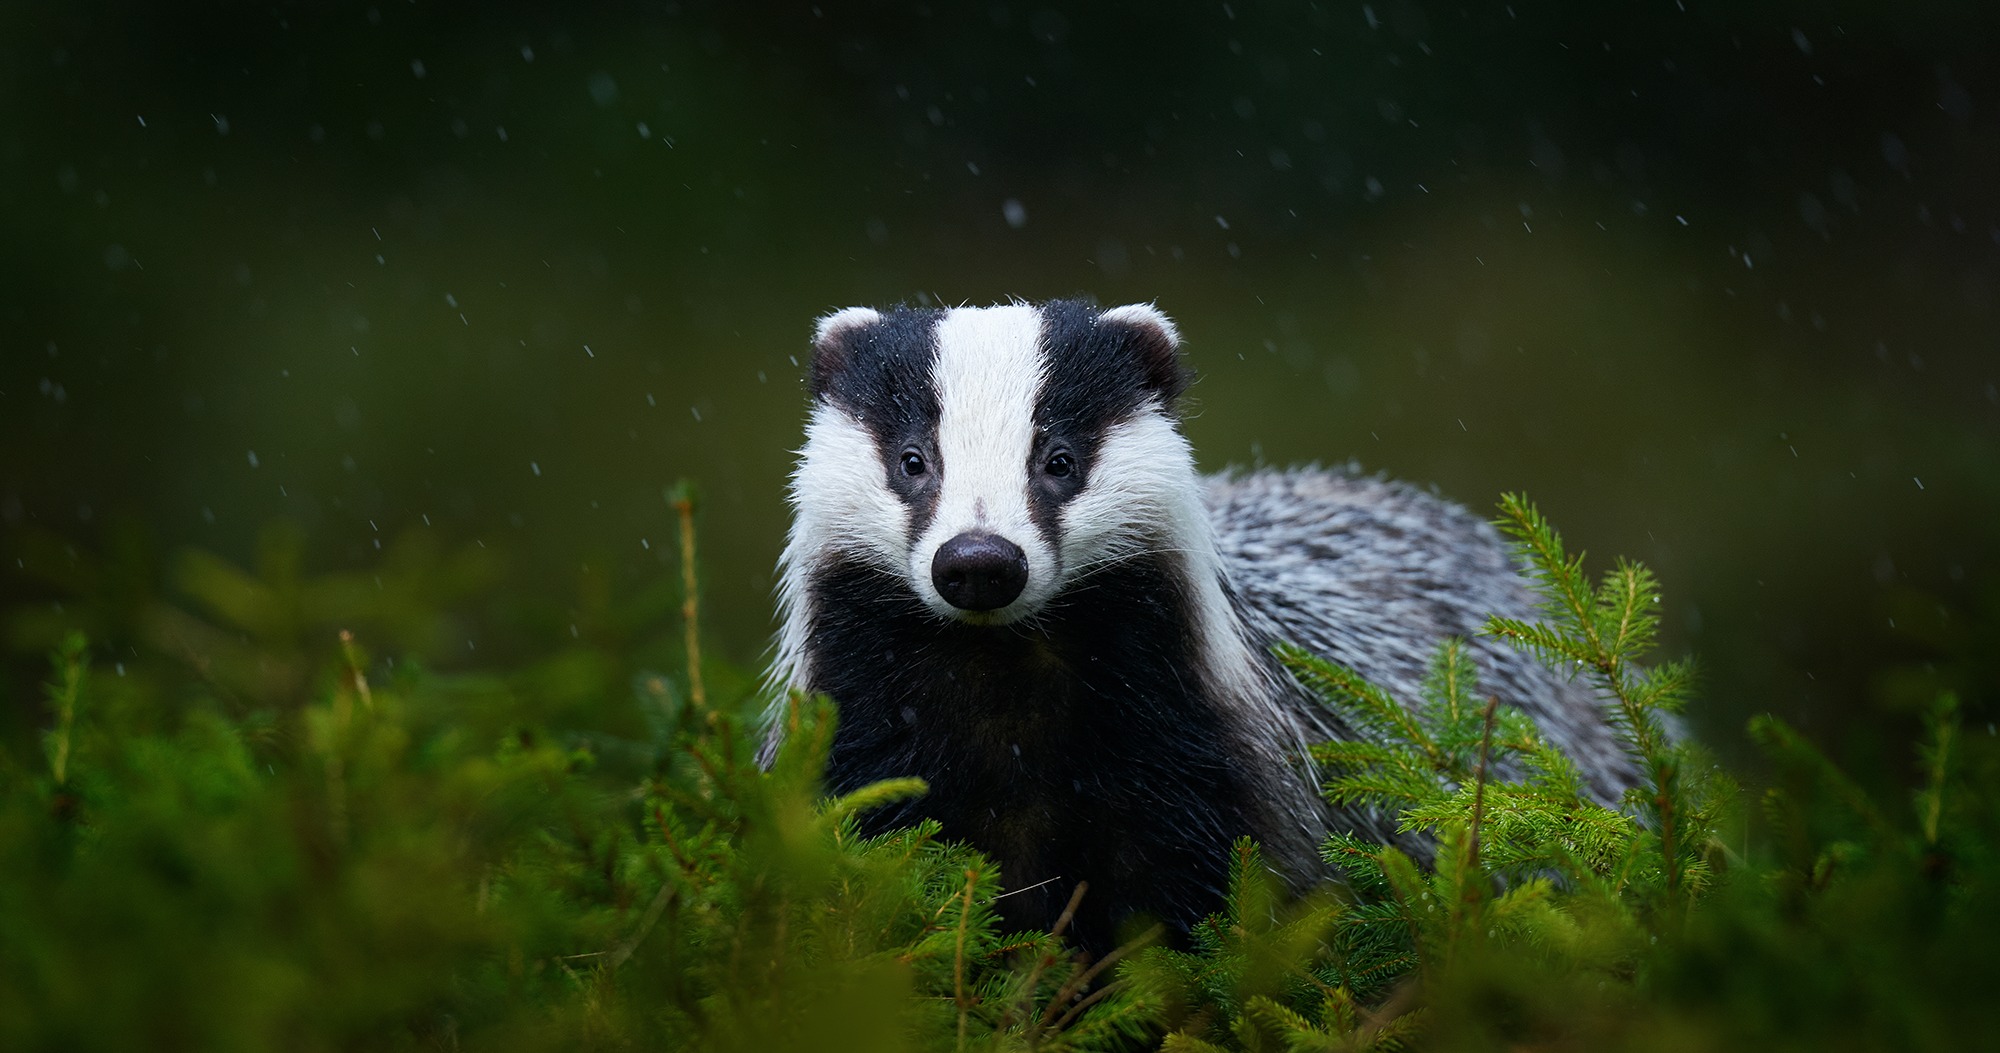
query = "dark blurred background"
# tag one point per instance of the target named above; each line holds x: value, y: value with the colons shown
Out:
x: 320, y: 287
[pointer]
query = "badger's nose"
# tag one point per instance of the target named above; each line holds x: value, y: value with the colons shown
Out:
x: 979, y: 572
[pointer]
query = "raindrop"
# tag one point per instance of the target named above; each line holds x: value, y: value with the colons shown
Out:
x: 1895, y: 153
x: 1015, y: 213
x: 417, y: 68
x: 253, y: 458
x: 1112, y: 256
x: 535, y: 467
x: 603, y: 90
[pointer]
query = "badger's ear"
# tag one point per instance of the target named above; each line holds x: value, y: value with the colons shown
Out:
x: 834, y: 341
x: 1151, y: 336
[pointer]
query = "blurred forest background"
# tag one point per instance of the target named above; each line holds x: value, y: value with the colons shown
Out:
x: 458, y: 290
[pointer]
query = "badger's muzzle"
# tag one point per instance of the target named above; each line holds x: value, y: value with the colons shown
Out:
x: 979, y: 571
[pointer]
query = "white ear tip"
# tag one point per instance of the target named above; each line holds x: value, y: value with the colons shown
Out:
x: 847, y: 318
x: 1143, y: 315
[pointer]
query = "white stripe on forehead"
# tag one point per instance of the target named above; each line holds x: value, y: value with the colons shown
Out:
x: 989, y: 372
x: 988, y: 375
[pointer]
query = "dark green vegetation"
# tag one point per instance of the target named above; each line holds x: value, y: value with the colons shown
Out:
x: 394, y: 318
x: 241, y: 831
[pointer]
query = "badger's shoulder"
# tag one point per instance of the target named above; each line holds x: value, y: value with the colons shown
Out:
x: 1374, y: 574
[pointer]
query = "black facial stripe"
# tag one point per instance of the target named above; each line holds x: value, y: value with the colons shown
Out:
x: 1093, y: 379
x: 883, y: 374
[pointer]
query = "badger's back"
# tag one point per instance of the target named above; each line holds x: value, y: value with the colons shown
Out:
x: 1374, y: 574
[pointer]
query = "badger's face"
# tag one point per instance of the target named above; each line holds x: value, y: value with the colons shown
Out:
x: 989, y: 457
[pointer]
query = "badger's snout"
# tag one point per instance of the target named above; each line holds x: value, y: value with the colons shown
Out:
x: 979, y: 571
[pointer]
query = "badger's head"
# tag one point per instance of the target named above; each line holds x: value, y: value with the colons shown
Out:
x: 990, y: 457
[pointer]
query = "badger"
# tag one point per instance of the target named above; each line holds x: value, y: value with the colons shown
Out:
x: 1007, y: 573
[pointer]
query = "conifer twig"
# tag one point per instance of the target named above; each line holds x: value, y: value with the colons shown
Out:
x: 1471, y: 878
x: 958, y: 958
x: 340, y: 722
x: 683, y: 503
x: 1394, y: 1008
x: 653, y: 911
x: 1479, y: 784
x: 1943, y: 721
x: 354, y: 673
x: 1663, y: 803
x: 1069, y: 912
x: 62, y: 697
x: 1082, y: 980
x: 1046, y: 959
x: 1086, y: 1002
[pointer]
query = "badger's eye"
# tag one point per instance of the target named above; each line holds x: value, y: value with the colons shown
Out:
x: 1060, y: 465
x: 913, y: 462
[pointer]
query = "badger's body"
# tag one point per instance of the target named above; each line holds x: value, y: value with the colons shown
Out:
x: 1006, y: 571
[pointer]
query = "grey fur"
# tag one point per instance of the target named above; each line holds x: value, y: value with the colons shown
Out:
x: 1374, y: 574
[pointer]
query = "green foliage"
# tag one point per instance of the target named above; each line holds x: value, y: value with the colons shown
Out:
x: 1260, y: 975
x: 406, y: 858
x: 1532, y: 914
x: 229, y: 827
